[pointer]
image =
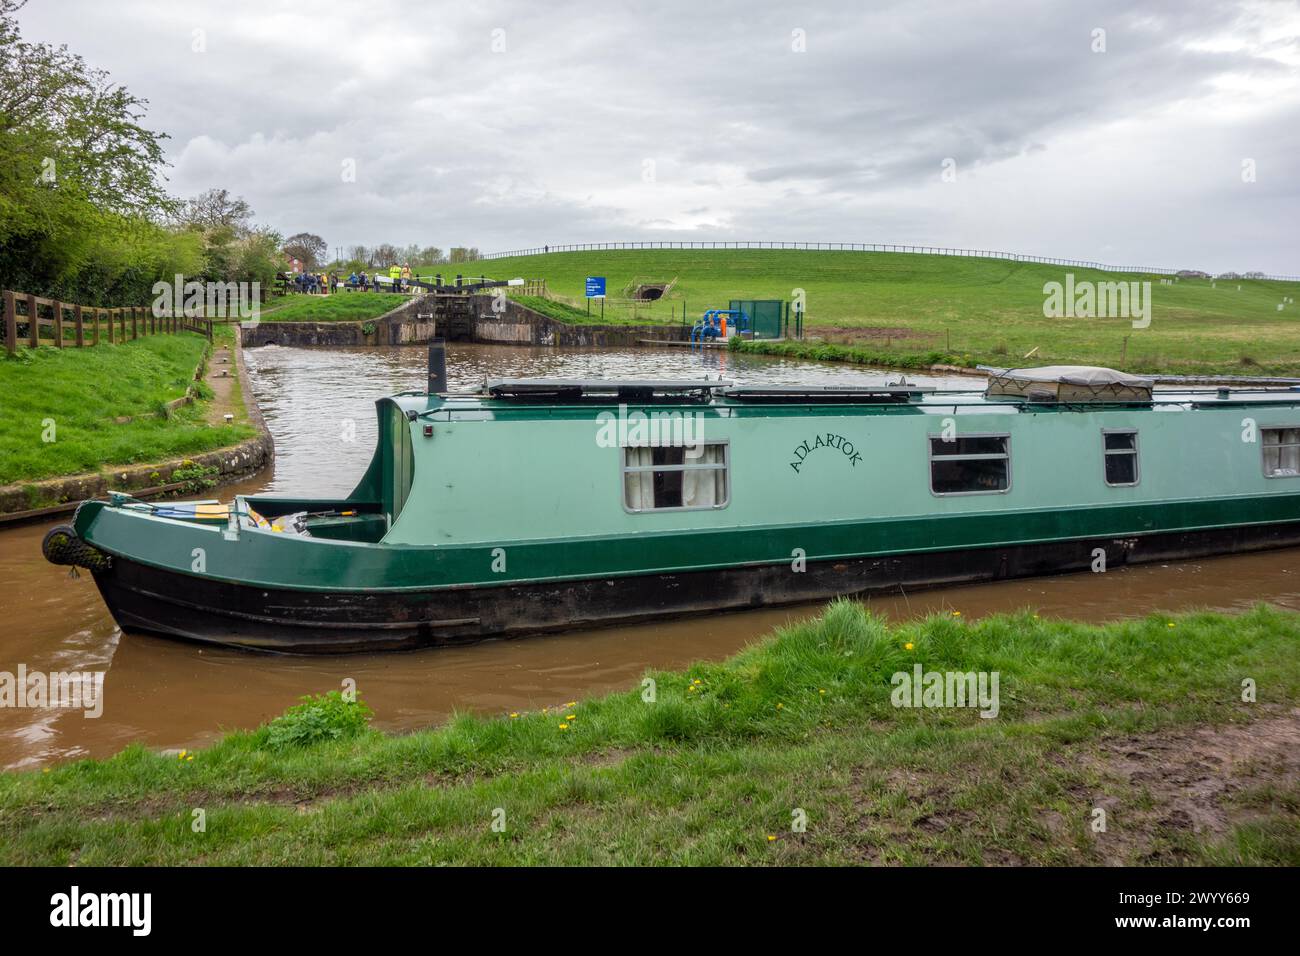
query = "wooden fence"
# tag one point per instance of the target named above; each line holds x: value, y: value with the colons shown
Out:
x: 82, y: 325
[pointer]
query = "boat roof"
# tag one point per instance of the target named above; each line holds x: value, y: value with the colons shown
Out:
x: 842, y: 394
x: 1008, y: 390
x: 579, y: 388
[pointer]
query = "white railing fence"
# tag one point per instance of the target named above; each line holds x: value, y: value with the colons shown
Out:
x: 852, y: 247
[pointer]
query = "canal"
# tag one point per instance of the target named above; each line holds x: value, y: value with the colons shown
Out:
x: 319, y: 406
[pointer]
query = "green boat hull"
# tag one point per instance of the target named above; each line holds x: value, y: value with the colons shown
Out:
x: 480, y: 517
x: 154, y: 599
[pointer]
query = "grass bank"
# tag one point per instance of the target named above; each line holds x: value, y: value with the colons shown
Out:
x: 71, y: 411
x: 853, y: 354
x: 728, y: 759
x: 990, y: 310
x: 336, y: 307
x: 573, y: 315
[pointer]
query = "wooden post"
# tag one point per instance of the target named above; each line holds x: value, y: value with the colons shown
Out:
x: 135, y: 324
x: 33, y: 323
x: 58, y: 323
x: 81, y: 328
x: 209, y: 330
x: 11, y: 322
x: 95, y: 313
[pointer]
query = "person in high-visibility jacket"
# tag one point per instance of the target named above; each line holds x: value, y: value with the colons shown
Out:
x: 395, y: 273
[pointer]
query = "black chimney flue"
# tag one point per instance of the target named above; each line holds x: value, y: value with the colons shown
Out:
x: 437, y: 366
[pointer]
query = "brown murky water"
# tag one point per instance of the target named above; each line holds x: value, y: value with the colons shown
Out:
x: 319, y: 406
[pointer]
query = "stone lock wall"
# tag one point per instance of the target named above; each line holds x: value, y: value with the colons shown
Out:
x: 468, y: 318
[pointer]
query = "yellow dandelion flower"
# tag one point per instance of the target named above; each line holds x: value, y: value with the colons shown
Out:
x: 190, y: 757
x: 572, y: 703
x: 907, y: 646
x: 1171, y: 623
x: 564, y: 726
x: 956, y: 613
x: 780, y: 706
x: 571, y: 717
x: 821, y: 691
x: 513, y: 716
x: 770, y: 837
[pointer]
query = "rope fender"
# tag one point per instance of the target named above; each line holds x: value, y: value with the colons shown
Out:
x: 62, y: 546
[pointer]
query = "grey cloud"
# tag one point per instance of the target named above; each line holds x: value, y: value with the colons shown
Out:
x: 546, y: 142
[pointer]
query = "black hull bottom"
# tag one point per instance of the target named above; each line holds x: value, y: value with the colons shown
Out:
x: 148, y: 600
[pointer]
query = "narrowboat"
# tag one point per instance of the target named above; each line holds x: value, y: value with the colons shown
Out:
x: 540, y: 504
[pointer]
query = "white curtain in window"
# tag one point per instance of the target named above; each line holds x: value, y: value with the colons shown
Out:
x: 639, y: 486
x: 704, y: 487
x: 1282, y: 451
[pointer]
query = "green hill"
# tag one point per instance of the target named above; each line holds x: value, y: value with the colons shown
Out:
x: 981, y: 310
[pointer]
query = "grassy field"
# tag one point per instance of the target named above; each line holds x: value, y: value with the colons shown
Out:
x: 910, y: 310
x: 336, y: 307
x: 61, y: 408
x: 970, y: 310
x: 728, y: 759
x: 559, y: 310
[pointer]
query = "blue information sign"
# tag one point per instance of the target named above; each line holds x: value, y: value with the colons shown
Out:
x: 595, y: 287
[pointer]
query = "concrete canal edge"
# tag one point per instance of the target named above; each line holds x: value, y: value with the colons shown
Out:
x: 458, y: 318
x: 220, y: 467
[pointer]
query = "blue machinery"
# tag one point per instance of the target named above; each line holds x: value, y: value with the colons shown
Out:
x: 720, y: 324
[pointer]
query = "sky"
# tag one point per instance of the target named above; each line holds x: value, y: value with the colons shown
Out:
x: 1132, y: 133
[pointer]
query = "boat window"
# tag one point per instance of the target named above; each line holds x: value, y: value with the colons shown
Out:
x: 1281, y: 452
x: 1120, y: 451
x: 681, y: 478
x: 970, y: 465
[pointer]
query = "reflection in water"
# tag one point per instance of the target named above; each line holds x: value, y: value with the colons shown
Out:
x: 319, y: 405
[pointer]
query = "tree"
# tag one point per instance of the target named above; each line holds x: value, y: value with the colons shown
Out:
x: 384, y: 255
x: 308, y: 248
x: 72, y: 131
x: 81, y: 185
x: 463, y: 254
x: 217, y: 209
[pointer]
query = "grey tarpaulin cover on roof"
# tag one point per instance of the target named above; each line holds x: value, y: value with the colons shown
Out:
x: 1071, y: 383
